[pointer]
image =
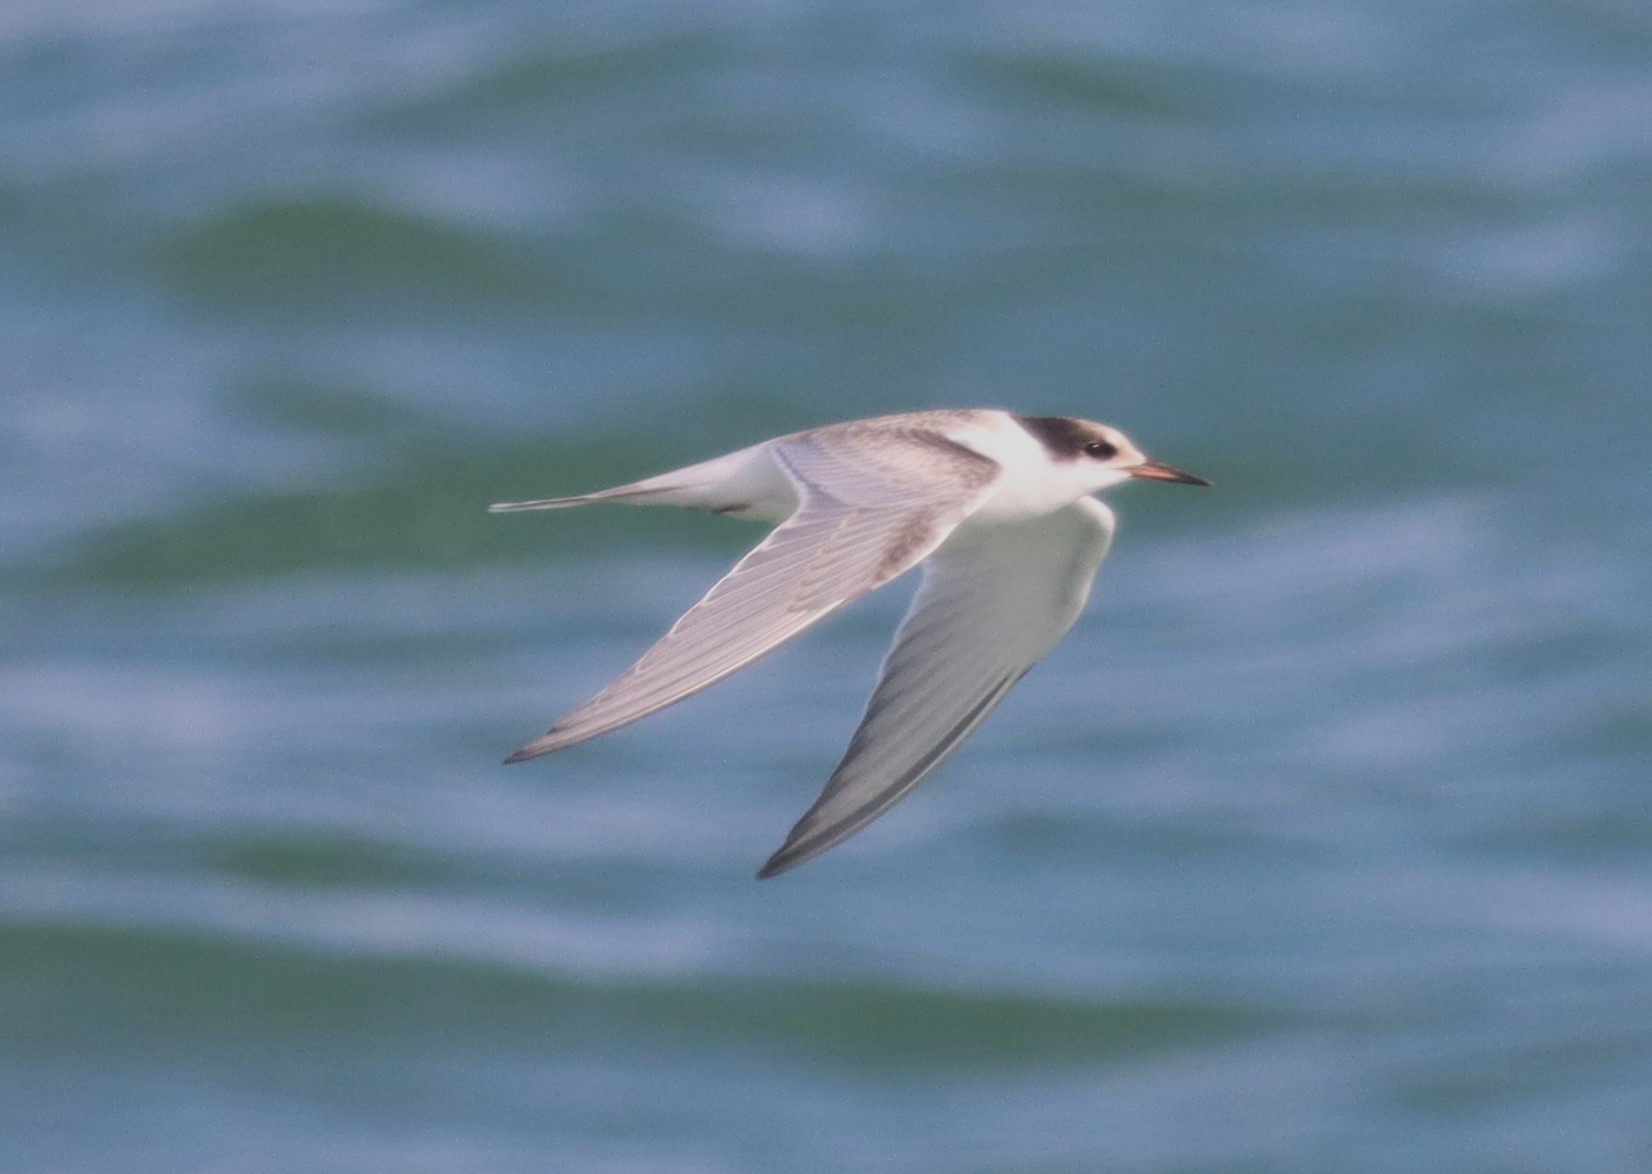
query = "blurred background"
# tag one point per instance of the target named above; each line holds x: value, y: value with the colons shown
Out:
x: 1322, y: 843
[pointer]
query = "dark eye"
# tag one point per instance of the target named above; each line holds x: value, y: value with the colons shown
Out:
x: 1101, y: 450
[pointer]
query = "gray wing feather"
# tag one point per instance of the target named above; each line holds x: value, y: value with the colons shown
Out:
x: 988, y: 610
x: 870, y: 507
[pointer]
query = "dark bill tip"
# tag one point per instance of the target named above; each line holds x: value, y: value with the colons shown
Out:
x: 1157, y: 471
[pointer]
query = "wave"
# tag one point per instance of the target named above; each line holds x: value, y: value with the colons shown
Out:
x: 66, y: 982
x: 551, y: 74
x: 427, y: 510
x: 317, y: 252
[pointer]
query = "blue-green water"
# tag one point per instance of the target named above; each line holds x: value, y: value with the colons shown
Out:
x: 1323, y: 844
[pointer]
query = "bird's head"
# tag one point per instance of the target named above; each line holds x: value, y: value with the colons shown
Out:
x: 1097, y: 455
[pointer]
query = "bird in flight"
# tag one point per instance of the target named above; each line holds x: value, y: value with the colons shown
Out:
x: 996, y: 507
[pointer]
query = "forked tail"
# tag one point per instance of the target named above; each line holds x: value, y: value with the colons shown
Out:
x: 632, y: 493
x: 548, y: 503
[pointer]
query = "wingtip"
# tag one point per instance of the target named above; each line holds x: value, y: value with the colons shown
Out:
x: 772, y: 868
x: 787, y: 857
x: 539, y: 746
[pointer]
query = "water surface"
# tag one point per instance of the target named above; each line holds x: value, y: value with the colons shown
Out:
x: 1320, y: 845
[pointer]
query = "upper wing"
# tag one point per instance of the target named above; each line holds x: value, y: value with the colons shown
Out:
x: 872, y: 503
x: 993, y: 602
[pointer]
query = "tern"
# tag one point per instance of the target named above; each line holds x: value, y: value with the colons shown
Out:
x: 995, y: 506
